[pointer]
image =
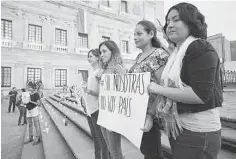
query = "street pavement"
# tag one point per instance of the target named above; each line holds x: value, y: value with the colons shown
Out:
x: 228, y: 109
x: 12, y: 135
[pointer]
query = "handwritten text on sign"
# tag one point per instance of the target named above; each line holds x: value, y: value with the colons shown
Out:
x: 123, y: 103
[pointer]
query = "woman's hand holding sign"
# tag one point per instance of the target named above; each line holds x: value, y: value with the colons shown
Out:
x: 152, y: 87
x: 84, y: 86
x: 148, y: 123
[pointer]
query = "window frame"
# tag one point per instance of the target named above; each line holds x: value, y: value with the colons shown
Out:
x: 60, y: 77
x: 60, y: 37
x: 106, y: 3
x: 3, y: 76
x: 82, y: 36
x: 105, y: 38
x: 35, y: 33
x: 3, y: 29
x: 126, y: 6
x: 34, y: 73
x: 125, y: 50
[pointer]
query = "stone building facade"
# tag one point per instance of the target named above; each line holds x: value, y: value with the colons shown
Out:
x: 233, y: 50
x: 225, y: 50
x: 49, y: 40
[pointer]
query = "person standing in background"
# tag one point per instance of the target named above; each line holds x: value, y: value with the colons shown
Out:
x: 22, y: 100
x: 33, y: 115
x: 12, y: 100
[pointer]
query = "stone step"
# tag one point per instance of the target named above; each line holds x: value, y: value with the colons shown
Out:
x: 228, y: 122
x: 128, y: 149
x: 228, y: 110
x: 228, y: 138
x: 80, y: 143
x: 70, y: 103
x: 32, y: 151
x: 52, y: 138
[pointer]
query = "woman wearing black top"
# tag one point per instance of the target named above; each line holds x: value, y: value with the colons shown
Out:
x: 191, y: 80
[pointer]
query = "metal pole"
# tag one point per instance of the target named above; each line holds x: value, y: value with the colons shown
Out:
x: 221, y: 80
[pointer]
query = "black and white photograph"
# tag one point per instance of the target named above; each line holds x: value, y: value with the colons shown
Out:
x: 118, y: 79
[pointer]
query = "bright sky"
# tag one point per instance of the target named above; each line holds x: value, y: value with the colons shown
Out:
x: 220, y: 15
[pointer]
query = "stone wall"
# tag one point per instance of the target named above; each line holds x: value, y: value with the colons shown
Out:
x: 89, y: 17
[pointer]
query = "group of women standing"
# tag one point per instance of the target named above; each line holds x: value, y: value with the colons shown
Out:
x: 184, y: 91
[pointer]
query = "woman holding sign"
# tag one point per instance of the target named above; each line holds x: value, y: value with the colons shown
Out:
x: 112, y: 63
x: 191, y: 78
x: 91, y: 89
x: 152, y: 58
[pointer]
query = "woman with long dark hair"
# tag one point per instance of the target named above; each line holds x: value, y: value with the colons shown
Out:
x: 191, y: 80
x: 151, y: 59
x: 112, y: 63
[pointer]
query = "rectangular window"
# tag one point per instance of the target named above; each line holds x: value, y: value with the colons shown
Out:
x: 35, y: 34
x: 82, y: 40
x: 125, y: 46
x: 34, y: 74
x: 124, y: 6
x: 61, y: 37
x: 6, y: 76
x: 105, y: 38
x: 6, y: 29
x: 106, y: 3
x: 60, y: 77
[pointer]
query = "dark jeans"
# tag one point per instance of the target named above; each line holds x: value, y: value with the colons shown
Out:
x: 22, y: 110
x: 151, y: 143
x: 196, y: 145
x: 34, y: 122
x: 113, y: 141
x: 12, y: 102
x: 101, y: 150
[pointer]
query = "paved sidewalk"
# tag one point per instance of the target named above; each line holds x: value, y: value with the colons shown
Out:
x: 228, y: 110
x: 12, y: 135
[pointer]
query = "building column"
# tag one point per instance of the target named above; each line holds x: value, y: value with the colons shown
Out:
x: 47, y: 76
x: 19, y: 72
x: 73, y: 76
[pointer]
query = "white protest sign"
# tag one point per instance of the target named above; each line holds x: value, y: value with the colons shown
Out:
x: 123, y: 101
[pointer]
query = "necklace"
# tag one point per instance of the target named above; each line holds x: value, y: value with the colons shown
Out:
x: 137, y: 63
x: 144, y: 58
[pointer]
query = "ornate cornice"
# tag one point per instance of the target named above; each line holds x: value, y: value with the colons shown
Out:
x: 95, y: 11
x: 20, y: 11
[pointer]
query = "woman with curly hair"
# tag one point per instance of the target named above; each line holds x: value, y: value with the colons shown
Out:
x: 191, y: 80
x: 111, y: 63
